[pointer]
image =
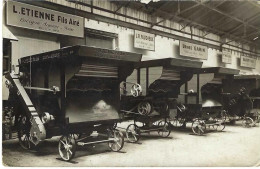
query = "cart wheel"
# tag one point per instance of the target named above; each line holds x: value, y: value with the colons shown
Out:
x: 198, y: 127
x: 67, y: 147
x: 118, y: 140
x: 144, y: 108
x: 24, y: 133
x: 220, y: 126
x: 248, y: 122
x: 223, y: 116
x: 133, y: 133
x: 136, y: 90
x: 165, y: 131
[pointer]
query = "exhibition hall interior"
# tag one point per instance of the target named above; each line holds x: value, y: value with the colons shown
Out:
x: 133, y: 83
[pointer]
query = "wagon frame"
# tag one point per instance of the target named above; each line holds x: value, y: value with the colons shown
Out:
x: 203, y: 113
x: 75, y: 71
x: 160, y: 95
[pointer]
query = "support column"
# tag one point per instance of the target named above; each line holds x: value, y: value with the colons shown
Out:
x: 198, y: 89
x: 63, y: 93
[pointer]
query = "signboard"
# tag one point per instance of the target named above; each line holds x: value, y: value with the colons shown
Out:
x: 226, y: 56
x: 247, y: 61
x: 144, y: 40
x: 193, y: 50
x: 42, y: 19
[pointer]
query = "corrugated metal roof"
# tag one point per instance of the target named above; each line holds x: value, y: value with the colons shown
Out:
x: 239, y: 20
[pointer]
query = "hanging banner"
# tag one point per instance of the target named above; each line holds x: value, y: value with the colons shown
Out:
x: 144, y: 40
x: 247, y: 61
x: 226, y: 56
x: 193, y: 50
x: 42, y: 19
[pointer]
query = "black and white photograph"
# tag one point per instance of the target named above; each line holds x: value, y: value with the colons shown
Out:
x: 130, y: 83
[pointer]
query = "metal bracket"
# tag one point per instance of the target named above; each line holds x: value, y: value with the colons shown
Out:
x: 54, y: 89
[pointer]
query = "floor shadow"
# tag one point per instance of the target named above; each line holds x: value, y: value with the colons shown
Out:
x: 234, y: 125
x: 94, y: 150
x: 133, y: 143
x: 71, y: 161
x: 203, y: 135
x: 151, y: 137
x: 181, y: 130
x: 43, y: 149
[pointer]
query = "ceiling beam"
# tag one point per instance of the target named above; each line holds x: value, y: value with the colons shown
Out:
x: 203, y: 15
x: 166, y: 14
x: 247, y: 20
x: 97, y: 17
x: 201, y: 26
x: 227, y: 15
x: 119, y: 7
x: 206, y: 13
x: 176, y: 13
x: 254, y: 3
x: 223, y: 19
x: 205, y: 33
x: 161, y: 6
x: 219, y: 21
x: 187, y: 9
x: 123, y: 5
x: 252, y: 33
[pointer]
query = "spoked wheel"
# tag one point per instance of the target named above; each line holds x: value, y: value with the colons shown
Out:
x: 67, y: 147
x: 223, y: 116
x: 164, y: 131
x: 136, y: 90
x: 198, y: 127
x: 24, y: 133
x: 144, y: 108
x: 220, y: 127
x: 248, y: 122
x: 118, y: 140
x: 133, y: 133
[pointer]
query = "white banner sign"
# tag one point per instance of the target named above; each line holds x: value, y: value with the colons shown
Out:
x: 42, y: 19
x: 246, y: 61
x: 193, y: 50
x: 144, y: 40
x: 226, y: 56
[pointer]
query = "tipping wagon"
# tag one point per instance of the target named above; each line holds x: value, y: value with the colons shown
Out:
x: 204, y: 102
x: 73, y: 92
x: 244, y: 103
x: 161, y: 81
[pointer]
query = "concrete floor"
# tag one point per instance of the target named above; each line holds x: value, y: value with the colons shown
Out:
x: 235, y: 146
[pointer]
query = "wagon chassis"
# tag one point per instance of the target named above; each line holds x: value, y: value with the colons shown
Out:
x: 155, y: 124
x: 32, y: 126
x: 68, y: 143
x: 251, y: 120
x: 199, y: 125
x: 248, y: 120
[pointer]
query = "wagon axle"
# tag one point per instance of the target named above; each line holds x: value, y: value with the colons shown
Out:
x: 68, y: 143
x: 133, y: 132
